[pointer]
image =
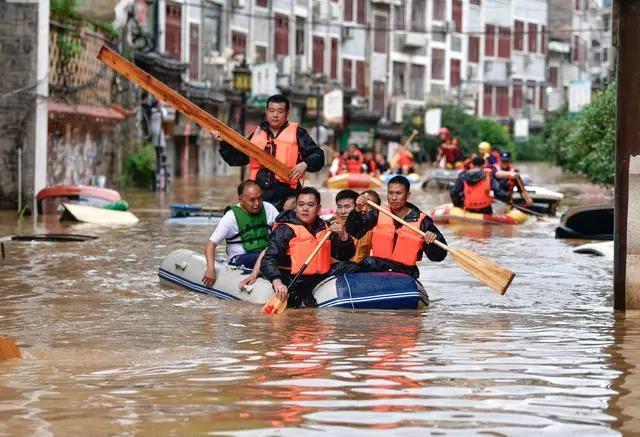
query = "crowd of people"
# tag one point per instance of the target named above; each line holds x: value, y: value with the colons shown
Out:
x: 276, y: 224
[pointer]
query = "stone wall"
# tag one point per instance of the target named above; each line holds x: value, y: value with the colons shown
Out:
x: 18, y: 30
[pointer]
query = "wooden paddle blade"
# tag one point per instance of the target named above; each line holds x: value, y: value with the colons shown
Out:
x: 274, y: 306
x: 8, y: 349
x: 495, y: 276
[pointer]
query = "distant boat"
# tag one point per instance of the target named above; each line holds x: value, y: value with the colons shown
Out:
x: 591, y: 222
x: 50, y: 199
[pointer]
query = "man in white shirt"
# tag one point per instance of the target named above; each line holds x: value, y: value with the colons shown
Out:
x: 245, y: 228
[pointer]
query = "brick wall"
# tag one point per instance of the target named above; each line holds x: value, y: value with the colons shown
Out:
x: 18, y: 29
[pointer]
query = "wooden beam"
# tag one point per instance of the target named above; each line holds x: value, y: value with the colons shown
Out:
x: 190, y: 110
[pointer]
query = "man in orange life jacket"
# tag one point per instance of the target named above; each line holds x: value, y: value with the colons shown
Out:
x: 472, y: 190
x: 295, y: 235
x: 287, y: 142
x: 355, y: 159
x: 393, y: 246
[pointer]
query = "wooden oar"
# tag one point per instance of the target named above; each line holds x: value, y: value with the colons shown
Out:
x: 523, y: 192
x: 495, y: 276
x: 277, y: 306
x: 8, y: 349
x: 411, y: 137
x: 521, y: 208
x: 192, y: 111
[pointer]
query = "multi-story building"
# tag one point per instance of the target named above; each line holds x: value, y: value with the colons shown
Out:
x: 580, y: 47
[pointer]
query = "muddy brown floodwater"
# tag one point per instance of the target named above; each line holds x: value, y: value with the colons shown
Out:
x: 110, y: 351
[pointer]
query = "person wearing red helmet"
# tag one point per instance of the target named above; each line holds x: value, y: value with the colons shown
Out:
x: 449, y: 153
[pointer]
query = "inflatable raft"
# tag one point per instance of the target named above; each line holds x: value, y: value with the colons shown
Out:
x: 413, y: 178
x: 385, y: 290
x: 353, y: 180
x: 449, y: 214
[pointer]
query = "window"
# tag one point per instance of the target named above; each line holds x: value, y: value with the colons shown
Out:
x: 378, y: 97
x: 362, y: 11
x: 543, y: 39
x: 605, y: 55
x: 516, y: 101
x: 474, y: 49
x: 261, y: 54
x: 399, y: 13
x: 489, y: 40
x: 334, y: 58
x: 474, y: 2
x: 606, y: 22
x: 531, y: 93
x: 299, y: 36
x: 211, y: 30
x: 533, y: 37
x: 553, y: 76
x: 437, y: 64
x: 318, y: 55
x: 348, y: 10
x: 576, y: 49
x: 346, y: 73
x: 502, y: 101
x: 173, y: 30
x: 360, y: 84
x: 439, y: 7
x: 418, y: 18
x: 454, y: 73
x: 487, y: 100
x: 578, y: 4
x: 504, y: 42
x: 398, y: 78
x: 194, y: 51
x: 541, y: 98
x: 262, y: 3
x: 239, y: 43
x: 518, y: 35
x: 456, y: 14
x: 416, y: 82
x: 281, y: 35
x: 380, y: 35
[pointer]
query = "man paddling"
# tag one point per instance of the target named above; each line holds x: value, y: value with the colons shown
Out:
x: 507, y: 174
x: 472, y: 190
x: 245, y: 229
x: 393, y: 246
x: 295, y: 235
x: 287, y: 142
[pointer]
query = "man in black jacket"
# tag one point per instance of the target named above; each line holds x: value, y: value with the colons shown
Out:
x: 395, y: 247
x: 472, y: 190
x: 295, y: 234
x: 277, y: 136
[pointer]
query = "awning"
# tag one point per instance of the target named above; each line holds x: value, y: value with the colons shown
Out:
x: 99, y: 114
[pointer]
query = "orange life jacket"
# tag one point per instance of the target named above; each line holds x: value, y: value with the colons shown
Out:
x: 286, y: 150
x: 400, y: 245
x: 355, y: 165
x: 301, y: 246
x: 404, y: 159
x: 478, y: 196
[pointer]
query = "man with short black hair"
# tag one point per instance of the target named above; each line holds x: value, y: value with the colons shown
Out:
x: 245, y: 228
x: 295, y: 235
x: 394, y: 247
x: 472, y: 190
x: 287, y: 142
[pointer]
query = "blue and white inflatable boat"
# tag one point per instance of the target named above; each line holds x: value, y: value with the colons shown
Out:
x: 384, y: 290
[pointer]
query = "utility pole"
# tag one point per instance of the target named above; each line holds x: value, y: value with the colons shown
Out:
x: 626, y: 273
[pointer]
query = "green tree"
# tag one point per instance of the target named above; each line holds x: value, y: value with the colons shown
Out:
x: 495, y: 135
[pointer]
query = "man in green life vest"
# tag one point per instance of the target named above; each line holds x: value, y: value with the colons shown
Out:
x: 245, y: 228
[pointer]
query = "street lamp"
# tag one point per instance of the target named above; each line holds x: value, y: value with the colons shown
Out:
x: 242, y: 84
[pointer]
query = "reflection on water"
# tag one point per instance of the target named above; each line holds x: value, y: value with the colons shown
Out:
x: 110, y: 350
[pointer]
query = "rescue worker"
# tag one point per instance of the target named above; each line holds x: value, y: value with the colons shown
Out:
x: 491, y: 157
x: 449, y: 154
x: 472, y: 190
x: 244, y: 227
x: 295, y: 235
x: 506, y: 174
x: 287, y: 142
x: 370, y: 164
x: 404, y: 160
x: 381, y: 163
x: 393, y: 246
x: 355, y: 159
x: 345, y: 203
x: 339, y: 164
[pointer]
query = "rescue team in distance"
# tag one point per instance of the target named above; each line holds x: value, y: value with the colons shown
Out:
x: 276, y: 225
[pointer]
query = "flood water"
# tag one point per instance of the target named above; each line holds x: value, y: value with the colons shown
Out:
x: 110, y: 351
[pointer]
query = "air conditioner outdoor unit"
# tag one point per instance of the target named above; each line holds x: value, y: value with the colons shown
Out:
x: 488, y: 65
x: 413, y: 39
x: 238, y: 4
